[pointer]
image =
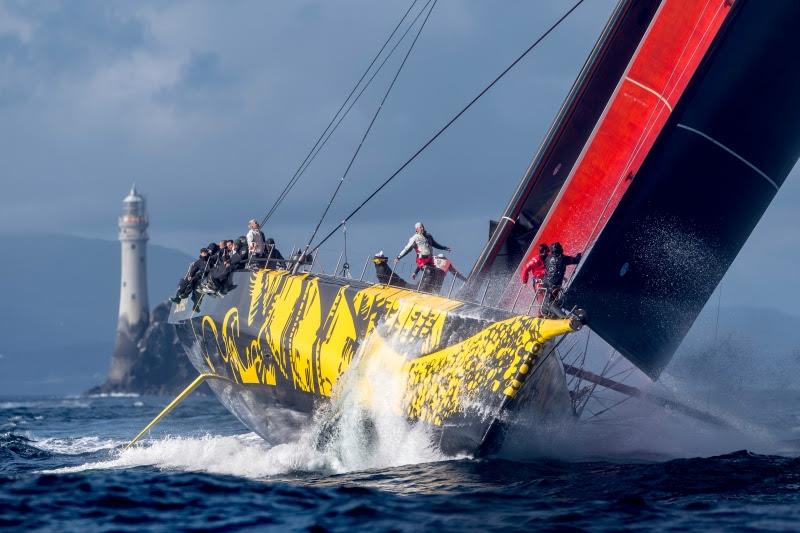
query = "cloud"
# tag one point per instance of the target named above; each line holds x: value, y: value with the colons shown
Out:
x: 210, y: 107
x: 14, y: 26
x: 184, y: 96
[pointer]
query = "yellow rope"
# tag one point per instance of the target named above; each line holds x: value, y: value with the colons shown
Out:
x: 174, y: 403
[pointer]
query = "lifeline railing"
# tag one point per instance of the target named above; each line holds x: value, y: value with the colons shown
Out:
x: 311, y: 262
x: 308, y: 263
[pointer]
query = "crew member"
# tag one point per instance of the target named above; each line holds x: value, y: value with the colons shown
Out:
x: 235, y: 258
x: 384, y: 273
x: 256, y: 242
x: 213, y: 255
x: 276, y: 260
x: 441, y: 266
x: 241, y: 247
x: 423, y: 244
x: 555, y: 267
x: 188, y: 284
x: 223, y: 249
x: 535, y: 268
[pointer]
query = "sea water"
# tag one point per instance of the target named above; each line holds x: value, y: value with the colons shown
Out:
x: 63, y: 466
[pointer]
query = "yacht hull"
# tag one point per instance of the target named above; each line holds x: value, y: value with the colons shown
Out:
x: 283, y: 345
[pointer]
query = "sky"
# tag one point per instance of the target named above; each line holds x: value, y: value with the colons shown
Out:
x: 210, y: 106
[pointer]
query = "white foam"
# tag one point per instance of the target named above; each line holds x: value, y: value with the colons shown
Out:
x: 244, y: 456
x: 75, y: 446
x: 367, y: 427
x: 74, y: 404
x: 115, y: 395
x: 361, y: 428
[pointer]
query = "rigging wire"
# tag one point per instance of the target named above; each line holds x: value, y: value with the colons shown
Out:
x: 719, y: 302
x: 346, y: 265
x: 353, y: 102
x: 306, y: 161
x: 432, y: 4
x: 451, y: 121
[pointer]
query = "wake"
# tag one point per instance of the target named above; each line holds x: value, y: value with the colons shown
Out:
x: 361, y: 428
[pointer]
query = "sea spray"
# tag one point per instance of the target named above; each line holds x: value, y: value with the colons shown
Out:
x: 361, y: 427
x: 364, y: 425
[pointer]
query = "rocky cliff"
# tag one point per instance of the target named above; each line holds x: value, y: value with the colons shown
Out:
x: 156, y: 362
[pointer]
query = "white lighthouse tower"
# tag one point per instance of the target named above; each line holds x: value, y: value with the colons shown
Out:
x: 133, y: 307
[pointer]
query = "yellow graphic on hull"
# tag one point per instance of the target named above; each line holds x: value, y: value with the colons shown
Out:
x: 303, y: 332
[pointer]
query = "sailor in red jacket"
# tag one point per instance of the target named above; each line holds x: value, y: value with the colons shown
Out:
x: 535, y: 267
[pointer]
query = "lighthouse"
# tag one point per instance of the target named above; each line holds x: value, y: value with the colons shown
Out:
x: 133, y: 307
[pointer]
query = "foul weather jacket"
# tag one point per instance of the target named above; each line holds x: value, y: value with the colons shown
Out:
x: 535, y: 267
x: 555, y: 267
x: 423, y: 243
x: 384, y: 274
x: 196, y: 268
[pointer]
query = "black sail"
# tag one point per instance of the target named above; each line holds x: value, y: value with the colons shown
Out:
x: 715, y: 168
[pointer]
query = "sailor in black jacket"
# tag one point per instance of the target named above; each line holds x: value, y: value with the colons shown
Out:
x: 235, y: 258
x: 384, y: 273
x: 189, y: 282
x: 555, y: 266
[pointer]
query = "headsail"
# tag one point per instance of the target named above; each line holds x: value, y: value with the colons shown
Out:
x: 671, y: 50
x: 659, y: 192
x: 562, y: 146
x: 717, y: 164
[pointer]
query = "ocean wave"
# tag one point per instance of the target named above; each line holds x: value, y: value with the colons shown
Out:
x: 14, y: 446
x: 115, y: 395
x: 359, y: 429
x: 243, y: 456
x: 76, y: 446
x: 74, y: 404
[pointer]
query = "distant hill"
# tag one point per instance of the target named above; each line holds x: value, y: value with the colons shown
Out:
x: 60, y: 298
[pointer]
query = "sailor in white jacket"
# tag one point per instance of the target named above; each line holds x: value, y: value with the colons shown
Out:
x: 423, y: 243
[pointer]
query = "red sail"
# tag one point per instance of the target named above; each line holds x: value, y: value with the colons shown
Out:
x: 551, y: 165
x: 676, y: 42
